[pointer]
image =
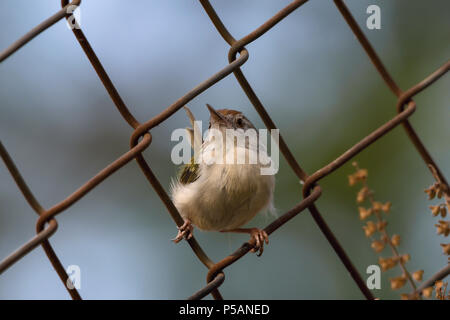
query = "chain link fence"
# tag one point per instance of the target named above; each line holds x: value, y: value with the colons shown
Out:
x: 141, y: 139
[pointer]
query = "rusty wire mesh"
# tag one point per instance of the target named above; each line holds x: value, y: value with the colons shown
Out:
x: 141, y: 139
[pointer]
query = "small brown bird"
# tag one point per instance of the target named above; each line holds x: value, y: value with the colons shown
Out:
x: 219, y: 195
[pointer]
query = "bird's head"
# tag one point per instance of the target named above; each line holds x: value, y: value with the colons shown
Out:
x: 228, y: 119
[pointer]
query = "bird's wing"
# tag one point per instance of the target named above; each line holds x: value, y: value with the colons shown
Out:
x: 189, y: 172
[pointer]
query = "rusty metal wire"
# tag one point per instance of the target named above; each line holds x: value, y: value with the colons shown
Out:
x: 141, y: 139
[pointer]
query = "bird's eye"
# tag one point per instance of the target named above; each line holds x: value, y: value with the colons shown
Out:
x: 239, y: 122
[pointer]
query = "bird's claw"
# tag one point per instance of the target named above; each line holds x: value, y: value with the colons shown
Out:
x: 184, y: 232
x: 260, y: 237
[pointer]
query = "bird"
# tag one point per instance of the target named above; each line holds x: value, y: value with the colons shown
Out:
x: 219, y: 195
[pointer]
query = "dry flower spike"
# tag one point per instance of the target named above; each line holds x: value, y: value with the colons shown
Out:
x: 369, y: 228
x: 443, y: 227
x: 398, y: 282
x: 378, y: 246
x: 395, y: 240
x: 427, y: 292
x: 379, y: 225
x: 418, y: 275
x: 446, y: 248
x: 364, y: 213
x: 387, y: 263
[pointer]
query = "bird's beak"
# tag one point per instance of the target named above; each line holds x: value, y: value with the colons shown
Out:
x: 216, y: 116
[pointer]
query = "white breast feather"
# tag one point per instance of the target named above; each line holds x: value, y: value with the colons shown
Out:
x: 225, y: 196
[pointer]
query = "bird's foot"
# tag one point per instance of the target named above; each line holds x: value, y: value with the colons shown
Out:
x: 184, y: 232
x: 260, y: 237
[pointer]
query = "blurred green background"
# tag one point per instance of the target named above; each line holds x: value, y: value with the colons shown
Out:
x: 313, y: 77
